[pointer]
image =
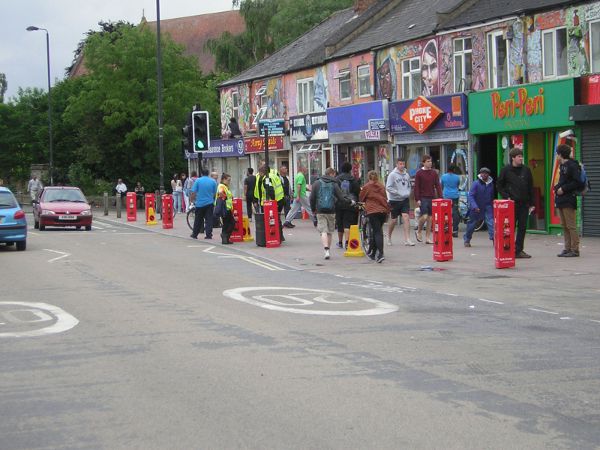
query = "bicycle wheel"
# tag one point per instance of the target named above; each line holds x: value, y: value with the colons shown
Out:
x: 480, y: 225
x: 191, y: 214
x: 365, y: 233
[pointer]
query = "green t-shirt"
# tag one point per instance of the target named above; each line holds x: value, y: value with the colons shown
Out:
x: 300, y: 180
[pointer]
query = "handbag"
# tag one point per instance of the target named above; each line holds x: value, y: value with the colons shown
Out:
x: 220, y: 208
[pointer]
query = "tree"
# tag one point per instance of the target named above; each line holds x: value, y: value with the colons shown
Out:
x: 3, y: 86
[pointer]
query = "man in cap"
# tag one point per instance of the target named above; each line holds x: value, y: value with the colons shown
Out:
x: 481, y: 197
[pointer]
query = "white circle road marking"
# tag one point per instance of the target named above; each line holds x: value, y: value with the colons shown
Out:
x: 43, y: 312
x: 287, y: 297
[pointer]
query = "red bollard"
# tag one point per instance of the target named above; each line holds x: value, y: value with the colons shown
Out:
x: 167, y: 211
x: 237, y: 235
x: 442, y: 229
x: 272, y: 237
x: 504, y: 233
x: 131, y: 201
x: 150, y: 209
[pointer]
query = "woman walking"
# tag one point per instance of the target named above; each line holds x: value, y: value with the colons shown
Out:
x: 376, y: 205
x: 224, y: 204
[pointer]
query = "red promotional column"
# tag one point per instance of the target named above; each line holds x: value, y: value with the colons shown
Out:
x: 442, y: 229
x: 131, y: 207
x: 150, y: 209
x: 237, y: 234
x: 504, y: 233
x: 167, y: 211
x: 272, y: 237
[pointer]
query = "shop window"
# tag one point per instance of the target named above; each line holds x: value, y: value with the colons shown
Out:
x: 235, y: 102
x: 345, y: 86
x: 411, y: 78
x: 595, y: 46
x: 305, y: 95
x: 463, y: 65
x: 364, y: 81
x: 497, y: 53
x: 554, y: 52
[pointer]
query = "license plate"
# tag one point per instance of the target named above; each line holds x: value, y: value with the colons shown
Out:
x: 69, y: 217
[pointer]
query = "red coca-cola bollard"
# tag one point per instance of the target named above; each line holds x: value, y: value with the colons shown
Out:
x: 167, y: 211
x: 272, y: 236
x: 131, y: 205
x: 442, y: 229
x: 150, y: 209
x: 237, y: 235
x: 504, y: 233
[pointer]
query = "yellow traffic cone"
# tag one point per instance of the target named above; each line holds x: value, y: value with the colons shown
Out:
x: 247, y: 234
x: 151, y: 217
x: 354, y: 245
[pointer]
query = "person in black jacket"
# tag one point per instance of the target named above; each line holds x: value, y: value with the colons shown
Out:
x: 515, y: 182
x: 565, y: 200
x: 346, y: 215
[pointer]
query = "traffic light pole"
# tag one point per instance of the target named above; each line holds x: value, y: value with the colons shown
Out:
x: 266, y: 130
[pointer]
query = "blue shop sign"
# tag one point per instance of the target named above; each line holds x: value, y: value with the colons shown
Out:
x: 274, y: 126
x: 222, y: 148
x: 360, y: 117
x: 454, y: 117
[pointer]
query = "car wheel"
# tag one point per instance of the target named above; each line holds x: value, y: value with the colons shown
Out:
x: 36, y: 224
x: 21, y: 245
x: 42, y: 227
x: 88, y: 228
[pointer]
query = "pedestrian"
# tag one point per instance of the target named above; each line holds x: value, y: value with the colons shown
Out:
x: 515, y: 182
x: 203, y: 196
x: 215, y: 176
x: 324, y: 196
x: 481, y: 206
x: 225, y: 196
x: 373, y: 195
x: 185, y: 198
x: 565, y: 199
x: 450, y: 182
x: 121, y: 190
x: 234, y: 129
x: 269, y: 187
x: 346, y: 215
x: 177, y: 191
x: 249, y: 184
x: 34, y: 187
x: 285, y: 182
x: 427, y: 187
x: 398, y: 187
x: 139, y: 194
x: 300, y: 199
x: 187, y: 188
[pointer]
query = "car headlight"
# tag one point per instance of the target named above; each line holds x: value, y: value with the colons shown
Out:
x: 87, y: 212
x: 47, y: 212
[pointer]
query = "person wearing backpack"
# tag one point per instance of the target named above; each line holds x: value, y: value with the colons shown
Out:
x: 324, y: 196
x: 565, y: 199
x: 346, y: 215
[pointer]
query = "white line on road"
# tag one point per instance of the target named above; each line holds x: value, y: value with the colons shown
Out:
x: 64, y: 255
x: 450, y: 294
x: 592, y: 320
x: 490, y: 301
x: 542, y: 311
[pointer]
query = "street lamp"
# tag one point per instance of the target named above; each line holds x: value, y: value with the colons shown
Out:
x: 32, y: 28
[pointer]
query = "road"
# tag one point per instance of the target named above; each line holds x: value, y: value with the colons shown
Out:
x: 121, y: 338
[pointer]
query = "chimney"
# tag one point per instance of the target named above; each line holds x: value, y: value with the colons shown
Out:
x: 360, y: 6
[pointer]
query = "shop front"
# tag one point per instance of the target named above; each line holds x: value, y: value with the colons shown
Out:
x: 311, y: 149
x: 360, y: 134
x: 535, y: 118
x: 279, y: 154
x: 227, y: 155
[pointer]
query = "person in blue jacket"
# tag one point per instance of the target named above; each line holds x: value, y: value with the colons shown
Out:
x: 481, y: 198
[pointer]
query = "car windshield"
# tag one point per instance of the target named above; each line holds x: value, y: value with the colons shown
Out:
x: 7, y: 200
x: 64, y: 195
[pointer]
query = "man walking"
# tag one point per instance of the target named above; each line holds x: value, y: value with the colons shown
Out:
x: 300, y: 199
x: 249, y: 184
x: 481, y: 198
x: 398, y: 187
x: 450, y: 182
x: 34, y: 187
x: 565, y: 200
x: 203, y: 195
x: 515, y: 182
x: 346, y: 215
x: 427, y: 187
x: 285, y: 182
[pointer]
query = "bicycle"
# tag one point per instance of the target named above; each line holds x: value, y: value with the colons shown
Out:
x: 463, y: 212
x: 364, y: 228
x: 190, y: 215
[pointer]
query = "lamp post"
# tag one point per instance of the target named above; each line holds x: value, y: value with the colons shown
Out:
x: 32, y: 28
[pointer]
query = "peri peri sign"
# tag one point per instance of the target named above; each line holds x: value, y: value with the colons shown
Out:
x: 424, y: 114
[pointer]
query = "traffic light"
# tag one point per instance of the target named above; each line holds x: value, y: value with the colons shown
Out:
x: 187, y: 141
x: 200, y: 131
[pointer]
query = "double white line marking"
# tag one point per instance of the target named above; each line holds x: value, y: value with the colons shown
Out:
x: 63, y: 255
x: 249, y: 259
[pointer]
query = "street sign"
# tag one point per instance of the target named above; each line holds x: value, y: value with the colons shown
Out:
x: 274, y: 126
x: 378, y: 124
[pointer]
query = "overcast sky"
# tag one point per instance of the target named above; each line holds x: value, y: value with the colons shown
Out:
x: 23, y: 53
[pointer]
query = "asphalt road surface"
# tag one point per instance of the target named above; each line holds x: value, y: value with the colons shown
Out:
x: 120, y: 338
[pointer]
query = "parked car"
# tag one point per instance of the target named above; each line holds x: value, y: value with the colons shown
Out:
x: 62, y: 206
x: 13, y: 225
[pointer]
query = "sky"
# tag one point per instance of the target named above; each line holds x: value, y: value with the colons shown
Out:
x: 23, y: 53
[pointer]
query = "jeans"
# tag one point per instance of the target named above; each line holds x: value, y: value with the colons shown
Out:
x: 488, y: 216
x: 228, y: 226
x: 177, y: 201
x: 377, y: 220
x: 296, y: 207
x: 249, y: 201
x: 455, y: 215
x: 203, y: 220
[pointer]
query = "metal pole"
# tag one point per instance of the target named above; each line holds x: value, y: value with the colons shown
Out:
x: 160, y: 88
x: 50, y: 147
x: 266, y: 130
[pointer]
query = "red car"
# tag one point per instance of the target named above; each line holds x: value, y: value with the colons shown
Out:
x: 62, y: 206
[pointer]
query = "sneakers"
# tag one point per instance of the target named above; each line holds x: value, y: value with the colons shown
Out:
x: 380, y: 258
x: 288, y: 225
x: 389, y: 242
x: 327, y: 254
x: 340, y: 245
x: 455, y: 234
x: 371, y: 256
x: 409, y: 243
x: 571, y: 254
x: 522, y: 255
x: 315, y: 222
x: 418, y: 236
x: 467, y: 244
x: 563, y: 253
x: 429, y: 241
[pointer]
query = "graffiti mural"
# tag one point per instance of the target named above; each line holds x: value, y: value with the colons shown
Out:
x: 517, y: 63
x: 430, y: 74
x: 320, y: 90
x: 333, y: 71
x: 243, y: 107
x: 446, y: 65
x: 320, y: 96
x: 578, y: 41
x: 386, y: 78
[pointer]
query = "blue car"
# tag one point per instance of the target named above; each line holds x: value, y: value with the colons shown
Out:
x: 13, y: 226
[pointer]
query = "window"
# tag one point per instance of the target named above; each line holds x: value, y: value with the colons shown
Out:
x: 364, y: 81
x: 235, y: 101
x: 595, y: 46
x: 345, y: 87
x: 497, y: 60
x: 554, y: 52
x: 411, y: 78
x: 463, y: 66
x: 305, y: 95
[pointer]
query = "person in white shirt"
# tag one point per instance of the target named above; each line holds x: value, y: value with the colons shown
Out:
x: 398, y: 187
x: 34, y: 187
x: 121, y: 189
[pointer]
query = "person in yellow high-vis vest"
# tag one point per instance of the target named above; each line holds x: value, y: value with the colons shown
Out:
x: 269, y: 187
x: 225, y: 197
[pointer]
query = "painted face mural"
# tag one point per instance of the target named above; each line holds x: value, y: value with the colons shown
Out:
x: 429, y: 69
x: 386, y: 79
